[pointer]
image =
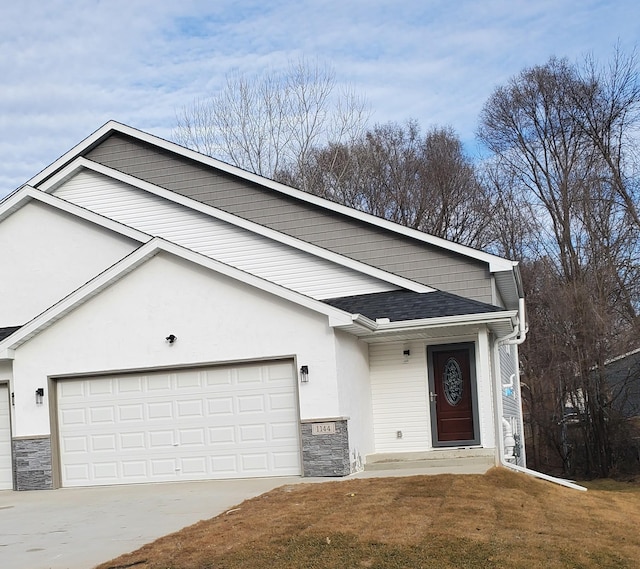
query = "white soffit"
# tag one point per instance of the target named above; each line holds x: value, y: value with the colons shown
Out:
x: 79, y: 164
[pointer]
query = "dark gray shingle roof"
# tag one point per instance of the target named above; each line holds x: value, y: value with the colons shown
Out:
x: 6, y: 332
x: 399, y: 305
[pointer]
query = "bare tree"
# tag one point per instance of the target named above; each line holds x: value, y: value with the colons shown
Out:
x: 548, y: 130
x: 393, y: 171
x: 272, y: 122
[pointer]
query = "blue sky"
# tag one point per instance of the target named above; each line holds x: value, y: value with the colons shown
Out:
x: 68, y: 66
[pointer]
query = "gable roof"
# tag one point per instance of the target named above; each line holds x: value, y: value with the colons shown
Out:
x: 26, y: 194
x: 506, y: 272
x: 79, y: 164
x: 7, y: 331
x: 19, y: 335
x: 496, y: 263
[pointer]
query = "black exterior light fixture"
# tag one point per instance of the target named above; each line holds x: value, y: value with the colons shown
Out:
x: 39, y: 395
x: 171, y: 338
x: 304, y: 374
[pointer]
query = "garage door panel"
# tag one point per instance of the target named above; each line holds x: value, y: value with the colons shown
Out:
x: 131, y: 413
x: 102, y: 415
x: 218, y: 377
x: 128, y: 385
x: 190, y: 408
x: 221, y: 435
x: 134, y: 469
x: 220, y: 406
x: 191, y: 425
x: 134, y: 441
x: 159, y: 383
x: 101, y: 387
x: 6, y: 470
x: 186, y: 380
x: 251, y: 404
x: 72, y: 416
x: 103, y: 443
x: 192, y: 437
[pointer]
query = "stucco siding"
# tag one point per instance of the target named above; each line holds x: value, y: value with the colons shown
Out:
x: 48, y: 254
x: 216, y: 320
x: 361, y: 241
x: 352, y: 363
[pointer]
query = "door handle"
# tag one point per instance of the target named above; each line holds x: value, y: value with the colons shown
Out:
x: 432, y: 396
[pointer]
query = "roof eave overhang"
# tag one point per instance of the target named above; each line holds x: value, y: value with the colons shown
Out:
x: 501, y: 323
x: 79, y: 164
x: 494, y: 262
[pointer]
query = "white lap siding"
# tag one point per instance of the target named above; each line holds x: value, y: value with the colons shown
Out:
x: 399, y: 393
x: 258, y: 255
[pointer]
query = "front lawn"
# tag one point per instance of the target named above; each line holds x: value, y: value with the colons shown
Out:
x: 497, y: 520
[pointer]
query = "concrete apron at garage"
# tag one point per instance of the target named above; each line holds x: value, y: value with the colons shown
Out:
x: 78, y: 528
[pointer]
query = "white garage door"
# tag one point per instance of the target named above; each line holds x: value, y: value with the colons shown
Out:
x: 219, y: 422
x: 6, y: 475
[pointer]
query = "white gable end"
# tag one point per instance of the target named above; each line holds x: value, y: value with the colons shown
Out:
x: 276, y: 262
x: 46, y: 254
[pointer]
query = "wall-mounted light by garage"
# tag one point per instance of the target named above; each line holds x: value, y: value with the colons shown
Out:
x: 304, y: 374
x: 39, y: 395
x: 171, y: 338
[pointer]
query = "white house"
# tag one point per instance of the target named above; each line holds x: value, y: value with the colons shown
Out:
x: 165, y: 316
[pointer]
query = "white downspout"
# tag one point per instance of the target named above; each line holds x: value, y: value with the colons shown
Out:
x: 522, y: 331
x: 518, y: 336
x: 509, y: 441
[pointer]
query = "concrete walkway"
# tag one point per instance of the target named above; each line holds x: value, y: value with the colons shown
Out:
x: 78, y: 528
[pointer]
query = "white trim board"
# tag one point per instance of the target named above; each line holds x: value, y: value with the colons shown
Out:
x: 138, y: 257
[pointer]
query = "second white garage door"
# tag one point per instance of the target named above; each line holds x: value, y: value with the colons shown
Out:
x: 196, y: 424
x: 6, y: 473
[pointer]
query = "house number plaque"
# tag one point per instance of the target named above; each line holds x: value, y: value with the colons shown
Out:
x: 323, y: 429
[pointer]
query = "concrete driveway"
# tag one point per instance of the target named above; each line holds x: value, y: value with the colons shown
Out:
x: 78, y: 528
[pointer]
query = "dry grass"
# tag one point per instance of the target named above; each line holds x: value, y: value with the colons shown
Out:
x: 501, y: 519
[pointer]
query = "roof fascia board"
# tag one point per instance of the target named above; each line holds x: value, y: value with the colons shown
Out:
x: 54, y: 181
x: 77, y: 150
x: 495, y: 263
x: 458, y: 320
x: 138, y: 257
x: 27, y: 193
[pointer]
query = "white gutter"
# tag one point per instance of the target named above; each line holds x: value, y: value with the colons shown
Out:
x: 382, y: 325
x: 498, y: 424
x: 519, y: 335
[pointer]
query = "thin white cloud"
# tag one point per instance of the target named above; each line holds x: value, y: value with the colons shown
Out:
x: 68, y: 66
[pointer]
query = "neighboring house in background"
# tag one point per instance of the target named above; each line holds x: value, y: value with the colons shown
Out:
x: 622, y: 383
x: 623, y: 377
x: 165, y: 316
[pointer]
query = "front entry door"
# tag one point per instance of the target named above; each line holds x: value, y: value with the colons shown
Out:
x: 452, y: 394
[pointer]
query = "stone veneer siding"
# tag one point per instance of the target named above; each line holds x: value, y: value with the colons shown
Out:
x: 32, y: 463
x: 326, y: 454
